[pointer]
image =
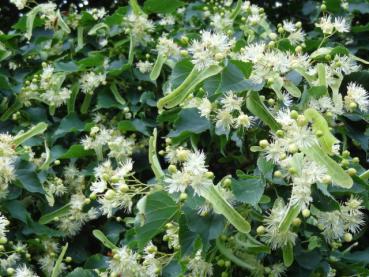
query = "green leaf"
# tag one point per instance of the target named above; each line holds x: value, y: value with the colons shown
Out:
x: 135, y: 7
x: 322, y: 75
x: 62, y: 23
x: 69, y: 66
x: 94, y: 59
x: 287, y: 251
x: 180, y: 72
x: 160, y: 209
x: 153, y: 158
x: 258, y: 108
x: 220, y: 205
x: 162, y: 6
x: 360, y: 28
x: 314, y: 242
x: 51, y: 155
x: 4, y: 82
x: 28, y: 178
x: 70, y: 123
x: 46, y: 218
x: 247, y: 261
x: 189, y: 121
x: 233, y: 78
x: 57, y: 270
x: 187, y: 239
x: 131, y: 53
x: 80, y: 272
x: 134, y: 125
x: 30, y: 20
x: 155, y: 72
x: 266, y: 167
x: 97, y: 27
x: 327, y: 140
x: 291, y: 214
x: 112, y: 230
x: 209, y: 227
x: 96, y: 261
x: 77, y: 151
x: 339, y: 176
x: 71, y: 104
x: 17, y: 104
x: 322, y: 199
x: 292, y: 89
x: 250, y: 244
x: 117, y: 95
x: 248, y: 189
x: 317, y: 91
x: 236, y: 10
x: 106, y: 100
x: 34, y: 131
x: 103, y: 239
x: 195, y: 77
x: 245, y: 67
x: 17, y: 210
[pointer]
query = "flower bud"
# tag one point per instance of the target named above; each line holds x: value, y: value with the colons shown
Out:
x: 263, y: 143
x: 280, y: 133
x: 347, y: 237
x: 260, y: 230
x: 301, y: 120
x: 271, y: 101
x: 10, y: 271
x: 346, y: 154
x: 220, y: 262
x: 124, y: 188
x: 292, y: 170
x: 209, y: 175
x: 184, y: 39
x: 273, y: 36
x: 345, y: 163
x: 305, y: 213
x: 319, y: 133
x: 327, y: 179
x: 184, y: 53
x: 183, y: 196
x: 277, y: 174
x: 294, y: 114
x: 298, y: 49
x: 227, y: 182
x: 219, y: 56
x: 296, y: 222
x: 352, y: 106
x: 172, y: 168
x: 3, y: 240
x: 292, y: 148
x: 351, y: 171
x: 355, y: 160
x: 109, y: 194
x: 182, y: 155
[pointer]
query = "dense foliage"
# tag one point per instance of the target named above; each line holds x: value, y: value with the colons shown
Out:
x: 171, y: 138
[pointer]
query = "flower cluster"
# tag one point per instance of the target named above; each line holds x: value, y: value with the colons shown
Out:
x: 184, y: 138
x: 210, y: 50
x: 7, y: 159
